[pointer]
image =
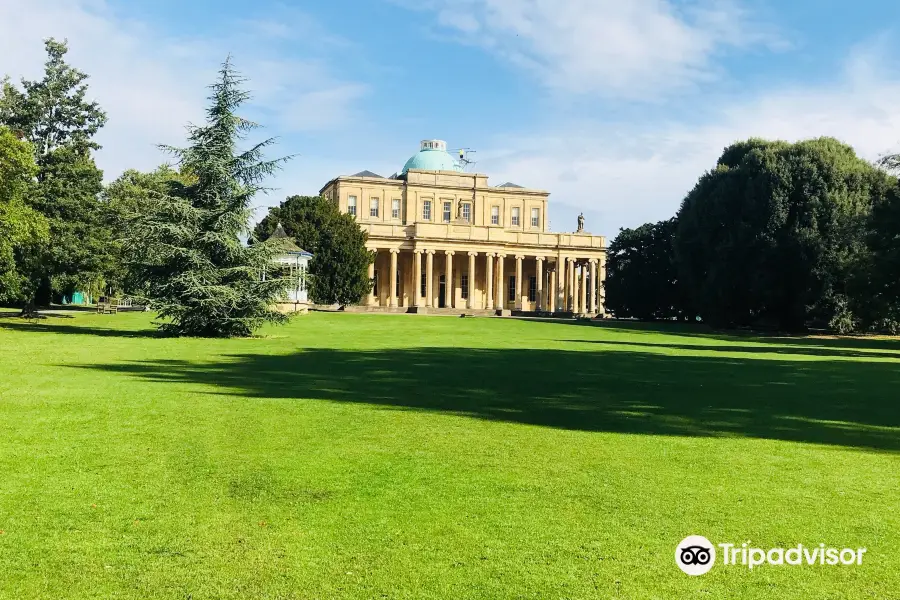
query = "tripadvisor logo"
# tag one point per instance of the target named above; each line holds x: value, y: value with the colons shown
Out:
x: 696, y: 555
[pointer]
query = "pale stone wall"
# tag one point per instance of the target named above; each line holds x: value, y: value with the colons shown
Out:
x: 568, y: 267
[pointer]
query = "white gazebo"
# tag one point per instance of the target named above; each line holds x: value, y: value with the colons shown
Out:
x: 295, y: 261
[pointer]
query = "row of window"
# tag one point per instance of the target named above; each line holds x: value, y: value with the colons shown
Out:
x: 466, y: 211
x: 514, y: 216
x: 374, y: 207
x: 464, y: 286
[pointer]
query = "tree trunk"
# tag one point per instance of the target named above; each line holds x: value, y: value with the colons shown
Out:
x: 29, y: 311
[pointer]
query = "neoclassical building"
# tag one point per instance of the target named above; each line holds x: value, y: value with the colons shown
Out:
x: 446, y: 239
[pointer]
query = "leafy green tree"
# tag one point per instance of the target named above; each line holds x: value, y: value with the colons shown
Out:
x: 55, y: 117
x: 876, y: 289
x: 772, y: 235
x: 21, y: 228
x: 304, y: 218
x: 125, y: 200
x: 641, y: 276
x: 339, y: 268
x: 878, y: 297
x: 79, y: 251
x: 53, y: 112
x: 186, y: 246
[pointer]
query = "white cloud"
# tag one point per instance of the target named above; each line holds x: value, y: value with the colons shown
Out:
x: 302, y: 95
x: 152, y: 84
x: 627, y: 174
x: 630, y: 49
x: 463, y: 22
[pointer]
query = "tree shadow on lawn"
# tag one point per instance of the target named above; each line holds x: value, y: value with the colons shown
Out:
x: 771, y: 348
x: 8, y: 313
x: 40, y: 326
x: 842, y: 403
x: 704, y: 332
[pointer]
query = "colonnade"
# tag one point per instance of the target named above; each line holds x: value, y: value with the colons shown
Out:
x: 562, y: 284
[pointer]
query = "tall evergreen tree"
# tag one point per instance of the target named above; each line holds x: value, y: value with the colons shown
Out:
x: 186, y: 245
x: 123, y: 199
x: 55, y: 117
x: 339, y: 269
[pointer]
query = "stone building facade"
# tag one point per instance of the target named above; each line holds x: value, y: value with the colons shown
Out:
x: 446, y: 239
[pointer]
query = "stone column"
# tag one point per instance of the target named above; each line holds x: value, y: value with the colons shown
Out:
x: 372, y: 299
x: 594, y: 288
x: 575, y: 287
x: 417, y: 279
x: 448, y: 278
x: 489, y: 281
x: 429, y: 273
x: 470, y: 301
x: 551, y: 291
x: 601, y: 291
x: 519, y: 286
x: 539, y: 276
x: 570, y: 295
x: 560, y: 289
x: 393, y: 278
x: 583, y: 304
x: 501, y: 305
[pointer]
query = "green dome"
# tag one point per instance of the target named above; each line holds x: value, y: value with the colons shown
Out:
x: 432, y: 157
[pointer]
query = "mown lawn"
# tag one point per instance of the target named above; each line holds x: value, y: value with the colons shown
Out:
x: 372, y: 456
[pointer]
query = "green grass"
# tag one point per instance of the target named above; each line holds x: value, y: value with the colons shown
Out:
x: 373, y: 456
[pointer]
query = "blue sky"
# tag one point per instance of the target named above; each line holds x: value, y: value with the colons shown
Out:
x: 614, y: 107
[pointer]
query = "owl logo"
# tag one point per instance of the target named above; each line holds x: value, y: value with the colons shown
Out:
x: 695, y: 555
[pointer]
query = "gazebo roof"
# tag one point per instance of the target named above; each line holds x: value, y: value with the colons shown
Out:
x: 283, y: 241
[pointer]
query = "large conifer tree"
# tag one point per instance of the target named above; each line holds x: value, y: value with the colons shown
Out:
x: 200, y: 277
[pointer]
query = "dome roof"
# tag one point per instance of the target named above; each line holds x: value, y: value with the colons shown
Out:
x: 433, y: 156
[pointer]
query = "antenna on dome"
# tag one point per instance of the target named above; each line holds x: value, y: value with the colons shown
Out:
x: 464, y: 160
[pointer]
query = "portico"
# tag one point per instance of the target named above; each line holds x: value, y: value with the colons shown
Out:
x: 445, y: 239
x: 420, y: 276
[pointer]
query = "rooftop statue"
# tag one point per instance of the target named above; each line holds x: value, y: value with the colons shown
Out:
x: 580, y: 223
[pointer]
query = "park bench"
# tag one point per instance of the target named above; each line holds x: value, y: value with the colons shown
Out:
x: 107, y: 306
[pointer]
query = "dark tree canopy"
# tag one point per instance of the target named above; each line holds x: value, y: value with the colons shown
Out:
x: 54, y: 115
x: 642, y: 277
x: 876, y: 289
x: 304, y: 218
x: 186, y: 246
x: 339, y: 267
x: 772, y: 234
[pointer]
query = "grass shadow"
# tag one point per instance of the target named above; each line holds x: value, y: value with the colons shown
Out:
x: 39, y: 326
x: 838, y: 402
x: 17, y: 314
x: 771, y: 347
x: 699, y: 330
